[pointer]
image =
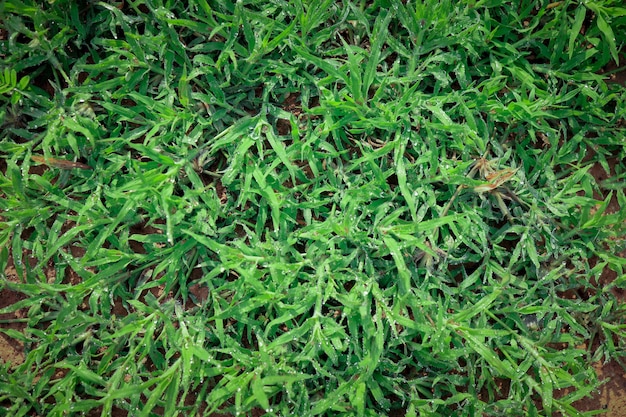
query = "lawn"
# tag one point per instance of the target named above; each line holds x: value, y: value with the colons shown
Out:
x: 311, y: 208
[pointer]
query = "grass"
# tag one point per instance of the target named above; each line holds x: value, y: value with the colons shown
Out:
x: 310, y: 208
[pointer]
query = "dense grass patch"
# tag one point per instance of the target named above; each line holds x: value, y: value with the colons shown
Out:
x: 310, y: 208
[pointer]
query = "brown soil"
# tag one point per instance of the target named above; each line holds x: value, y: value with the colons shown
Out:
x: 612, y: 395
x: 11, y: 350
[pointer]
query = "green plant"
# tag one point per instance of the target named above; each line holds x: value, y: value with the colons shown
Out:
x: 337, y: 208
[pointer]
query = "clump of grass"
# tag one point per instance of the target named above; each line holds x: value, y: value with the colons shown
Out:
x: 310, y: 208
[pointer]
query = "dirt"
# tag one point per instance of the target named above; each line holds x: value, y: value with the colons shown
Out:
x: 11, y: 350
x: 612, y: 395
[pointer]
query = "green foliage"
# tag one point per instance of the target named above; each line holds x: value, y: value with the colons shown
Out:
x: 310, y: 208
x: 10, y: 85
